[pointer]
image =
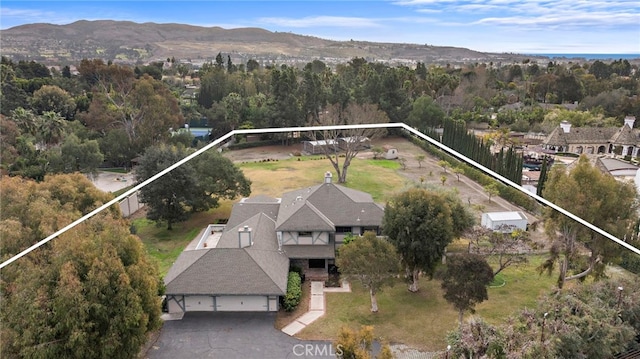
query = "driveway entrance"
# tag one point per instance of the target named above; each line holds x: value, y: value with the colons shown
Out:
x: 232, y: 335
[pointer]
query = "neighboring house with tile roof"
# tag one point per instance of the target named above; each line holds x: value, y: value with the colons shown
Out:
x: 595, y: 140
x: 245, y: 267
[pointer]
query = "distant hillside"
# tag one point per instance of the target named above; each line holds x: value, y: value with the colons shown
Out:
x: 132, y: 42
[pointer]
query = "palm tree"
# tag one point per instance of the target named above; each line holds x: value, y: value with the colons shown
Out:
x: 50, y: 128
x: 26, y: 120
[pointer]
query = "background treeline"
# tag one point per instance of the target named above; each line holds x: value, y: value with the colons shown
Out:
x: 107, y: 114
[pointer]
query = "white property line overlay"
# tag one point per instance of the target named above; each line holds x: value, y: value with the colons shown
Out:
x: 319, y: 128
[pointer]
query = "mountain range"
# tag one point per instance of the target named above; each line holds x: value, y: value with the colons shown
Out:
x: 141, y: 43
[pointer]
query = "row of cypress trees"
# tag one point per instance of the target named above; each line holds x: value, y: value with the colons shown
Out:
x: 507, y: 163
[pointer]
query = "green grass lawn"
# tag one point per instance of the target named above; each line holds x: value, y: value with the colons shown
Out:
x: 377, y: 177
x: 522, y: 288
x: 121, y: 191
x: 422, y: 319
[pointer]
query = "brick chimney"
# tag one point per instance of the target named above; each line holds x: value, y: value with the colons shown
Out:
x: 327, y: 177
x: 244, y: 237
x: 629, y: 121
x: 565, y: 126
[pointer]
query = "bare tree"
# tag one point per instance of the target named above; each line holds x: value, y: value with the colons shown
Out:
x: 509, y: 246
x: 347, y: 144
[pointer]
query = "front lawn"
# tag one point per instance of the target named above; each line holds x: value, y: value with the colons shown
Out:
x: 422, y: 319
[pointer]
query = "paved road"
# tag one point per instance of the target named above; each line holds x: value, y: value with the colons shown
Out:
x: 232, y: 335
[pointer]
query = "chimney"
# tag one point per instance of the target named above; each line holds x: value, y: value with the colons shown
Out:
x: 244, y: 237
x: 565, y: 126
x: 629, y: 121
x: 327, y: 177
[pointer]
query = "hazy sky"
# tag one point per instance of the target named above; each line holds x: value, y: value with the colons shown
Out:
x: 533, y: 26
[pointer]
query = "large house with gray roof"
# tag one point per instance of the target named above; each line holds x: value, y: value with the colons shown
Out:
x: 595, y: 140
x: 244, y: 266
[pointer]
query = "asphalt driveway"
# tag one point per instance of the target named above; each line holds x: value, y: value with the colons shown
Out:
x: 232, y: 335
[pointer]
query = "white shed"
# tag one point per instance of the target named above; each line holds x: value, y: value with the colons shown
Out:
x: 390, y: 152
x: 504, y: 221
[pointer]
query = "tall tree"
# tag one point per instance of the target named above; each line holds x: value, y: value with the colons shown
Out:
x: 544, y: 173
x: 419, y: 223
x: 91, y: 293
x: 596, y: 198
x: 465, y: 280
x: 192, y: 187
x: 50, y: 128
x: 168, y: 197
x: 287, y: 110
x: 235, y: 106
x: 80, y: 155
x: 351, y: 142
x: 53, y: 98
x: 143, y: 108
x: 370, y: 260
x: 425, y: 113
x: 313, y: 94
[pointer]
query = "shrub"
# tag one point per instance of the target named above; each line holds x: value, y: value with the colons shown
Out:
x: 294, y: 292
x: 296, y: 269
x: 631, y: 262
x: 348, y: 238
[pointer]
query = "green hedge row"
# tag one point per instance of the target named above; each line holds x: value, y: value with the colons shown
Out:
x: 507, y: 192
x: 294, y: 292
x: 243, y: 145
x: 631, y: 262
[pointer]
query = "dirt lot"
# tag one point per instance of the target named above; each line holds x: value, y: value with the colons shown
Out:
x: 429, y: 171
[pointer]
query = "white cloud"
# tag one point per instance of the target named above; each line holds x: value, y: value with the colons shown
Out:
x: 10, y: 15
x: 567, y: 20
x: 321, y: 21
x: 429, y: 11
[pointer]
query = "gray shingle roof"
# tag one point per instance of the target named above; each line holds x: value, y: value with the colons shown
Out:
x: 227, y: 269
x: 243, y: 210
x: 310, y: 251
x: 223, y: 271
x: 341, y: 205
x: 302, y: 216
x: 625, y: 136
x: 261, y: 269
x: 580, y: 135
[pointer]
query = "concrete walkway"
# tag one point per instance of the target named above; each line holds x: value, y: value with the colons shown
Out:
x: 316, y: 306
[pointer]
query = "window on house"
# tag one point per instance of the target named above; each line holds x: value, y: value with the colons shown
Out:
x: 304, y: 234
x: 343, y: 229
x: 316, y: 263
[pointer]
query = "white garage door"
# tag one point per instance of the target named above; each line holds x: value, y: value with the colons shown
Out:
x: 198, y: 303
x: 241, y: 303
